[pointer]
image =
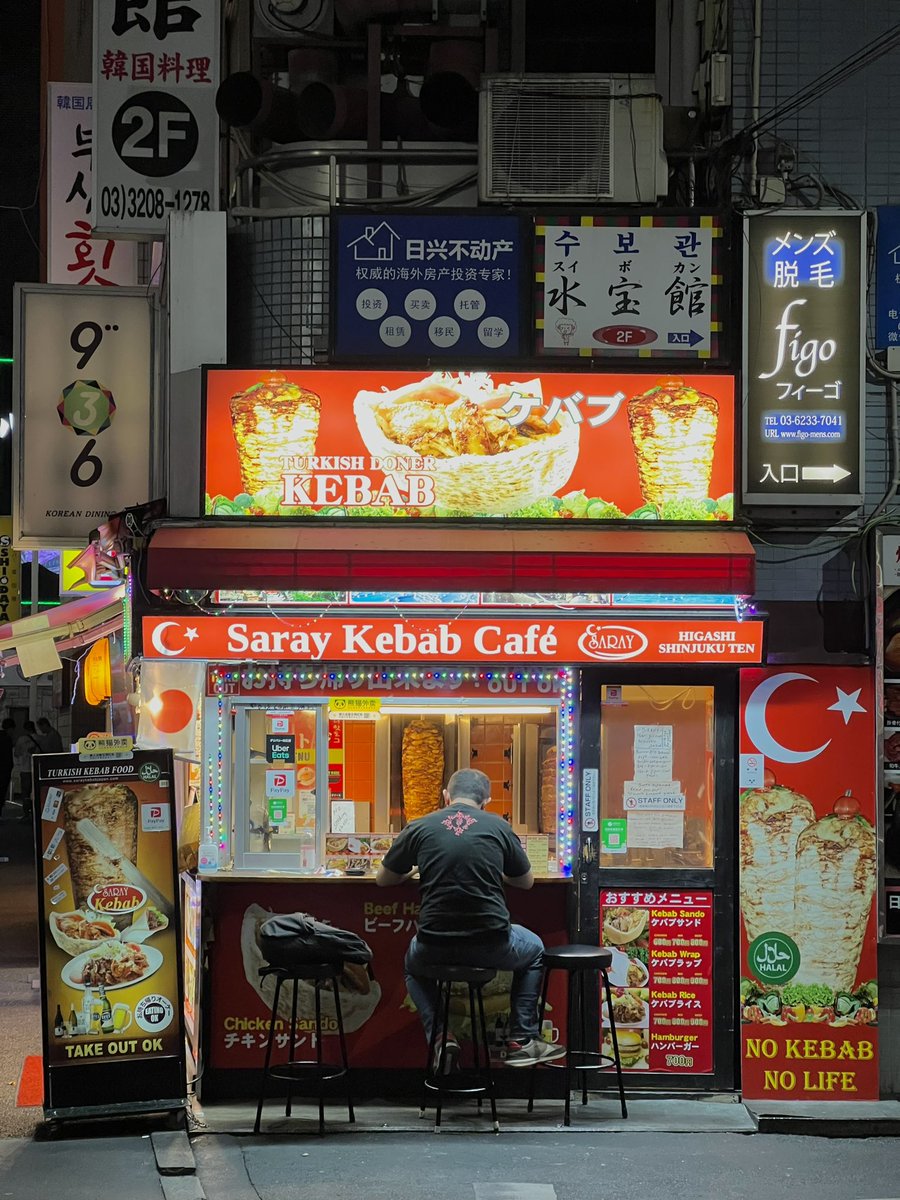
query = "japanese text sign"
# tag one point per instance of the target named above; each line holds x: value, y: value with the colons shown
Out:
x: 645, y: 287
x: 427, y: 286
x: 84, y: 370
x: 470, y: 444
x: 156, y: 130
x: 804, y: 312
x: 887, y: 277
x: 9, y: 574
x: 335, y: 639
x: 808, y: 855
x: 73, y: 256
x: 662, y: 979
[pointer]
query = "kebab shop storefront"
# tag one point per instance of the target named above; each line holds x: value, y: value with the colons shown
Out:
x: 608, y: 726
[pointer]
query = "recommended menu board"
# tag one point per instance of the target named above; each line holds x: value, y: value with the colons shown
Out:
x: 382, y: 443
x: 645, y: 286
x: 661, y: 977
x: 808, y: 857
x: 428, y: 285
x: 110, y: 935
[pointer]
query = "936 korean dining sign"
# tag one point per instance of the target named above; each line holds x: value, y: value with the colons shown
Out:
x: 804, y: 306
x: 380, y: 443
x: 646, y: 286
x: 156, y: 71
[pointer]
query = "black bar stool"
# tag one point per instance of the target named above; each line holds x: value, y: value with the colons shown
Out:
x: 295, y: 1069
x: 579, y: 961
x: 479, y: 1081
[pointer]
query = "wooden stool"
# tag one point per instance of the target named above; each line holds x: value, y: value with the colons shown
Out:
x: 478, y: 1082
x: 295, y: 1069
x: 579, y: 961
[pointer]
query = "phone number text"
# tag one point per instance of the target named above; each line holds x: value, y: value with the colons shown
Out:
x: 121, y: 201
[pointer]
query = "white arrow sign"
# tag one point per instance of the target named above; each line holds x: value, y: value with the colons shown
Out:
x: 831, y: 474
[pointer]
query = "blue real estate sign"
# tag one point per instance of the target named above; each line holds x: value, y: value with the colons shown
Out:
x: 427, y: 286
x: 887, y: 277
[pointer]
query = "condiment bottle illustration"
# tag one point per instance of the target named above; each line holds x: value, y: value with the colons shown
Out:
x: 106, y: 1012
x: 59, y: 1025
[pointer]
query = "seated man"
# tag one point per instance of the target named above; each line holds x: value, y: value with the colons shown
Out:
x: 464, y: 856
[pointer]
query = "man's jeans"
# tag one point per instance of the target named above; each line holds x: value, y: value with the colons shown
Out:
x: 523, y: 954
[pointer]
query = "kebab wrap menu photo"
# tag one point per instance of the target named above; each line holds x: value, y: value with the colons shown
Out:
x: 468, y: 444
x: 110, y: 961
x: 808, y: 861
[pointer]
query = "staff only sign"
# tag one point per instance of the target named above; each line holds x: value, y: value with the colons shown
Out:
x: 808, y: 854
x: 330, y: 639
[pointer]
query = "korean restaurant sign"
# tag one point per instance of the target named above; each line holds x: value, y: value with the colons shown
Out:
x: 808, y: 854
x: 804, y: 330
x: 662, y: 976
x: 84, y: 392
x: 645, y: 286
x: 428, y: 286
x: 380, y: 443
x: 73, y: 256
x: 333, y: 639
x: 156, y: 130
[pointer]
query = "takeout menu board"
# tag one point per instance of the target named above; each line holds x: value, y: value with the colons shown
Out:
x: 661, y: 978
x: 108, y: 909
x: 554, y: 445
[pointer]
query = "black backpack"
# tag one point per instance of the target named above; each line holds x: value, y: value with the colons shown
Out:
x: 291, y: 939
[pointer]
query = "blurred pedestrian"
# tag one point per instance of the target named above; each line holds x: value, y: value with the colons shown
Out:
x: 27, y: 745
x: 51, y: 742
x: 7, y: 729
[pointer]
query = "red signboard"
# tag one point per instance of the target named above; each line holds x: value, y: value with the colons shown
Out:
x: 383, y: 639
x: 383, y: 1029
x: 379, y: 443
x: 808, y: 854
x: 662, y: 946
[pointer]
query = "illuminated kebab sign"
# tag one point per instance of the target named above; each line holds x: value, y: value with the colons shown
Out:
x: 804, y: 312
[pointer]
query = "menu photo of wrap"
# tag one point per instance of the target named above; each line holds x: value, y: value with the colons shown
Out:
x: 808, y: 860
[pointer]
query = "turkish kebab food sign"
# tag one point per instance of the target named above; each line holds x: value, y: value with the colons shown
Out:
x: 402, y: 444
x: 804, y: 306
x: 808, y: 857
x: 336, y: 639
x: 109, y: 923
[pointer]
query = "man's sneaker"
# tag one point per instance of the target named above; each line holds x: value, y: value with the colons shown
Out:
x: 535, y: 1050
x: 451, y: 1058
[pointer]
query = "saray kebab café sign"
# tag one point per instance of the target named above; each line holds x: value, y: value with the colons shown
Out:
x: 401, y: 444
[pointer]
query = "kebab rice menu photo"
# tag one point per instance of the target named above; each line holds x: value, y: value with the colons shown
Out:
x: 109, y: 920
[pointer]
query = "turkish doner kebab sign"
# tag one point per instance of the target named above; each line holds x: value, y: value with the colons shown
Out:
x: 808, y: 855
x: 156, y: 131
x: 333, y: 639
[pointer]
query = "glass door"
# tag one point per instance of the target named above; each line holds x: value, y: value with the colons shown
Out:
x: 659, y: 874
x: 280, y: 786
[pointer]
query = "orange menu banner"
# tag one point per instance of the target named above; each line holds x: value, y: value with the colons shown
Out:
x: 330, y: 639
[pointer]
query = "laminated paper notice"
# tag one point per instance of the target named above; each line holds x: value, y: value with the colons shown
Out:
x: 655, y: 830
x: 652, y: 752
x: 537, y: 848
x: 654, y: 794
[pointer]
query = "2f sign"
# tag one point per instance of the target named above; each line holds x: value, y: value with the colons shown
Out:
x: 155, y: 134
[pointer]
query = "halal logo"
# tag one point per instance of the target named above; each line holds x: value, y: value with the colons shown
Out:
x: 774, y: 957
x: 148, y: 772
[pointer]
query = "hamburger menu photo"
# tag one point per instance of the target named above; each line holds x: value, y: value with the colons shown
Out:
x: 372, y: 443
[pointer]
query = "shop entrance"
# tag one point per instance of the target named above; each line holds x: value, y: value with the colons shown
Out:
x: 661, y: 891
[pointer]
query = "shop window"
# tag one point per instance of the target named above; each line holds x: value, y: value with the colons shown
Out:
x: 657, y: 776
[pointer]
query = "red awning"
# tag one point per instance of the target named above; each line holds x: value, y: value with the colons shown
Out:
x: 449, y: 559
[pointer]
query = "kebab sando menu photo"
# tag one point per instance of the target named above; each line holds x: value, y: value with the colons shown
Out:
x: 108, y: 909
x: 468, y: 444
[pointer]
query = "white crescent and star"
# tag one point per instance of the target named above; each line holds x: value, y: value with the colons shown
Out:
x: 156, y: 638
x: 758, y: 731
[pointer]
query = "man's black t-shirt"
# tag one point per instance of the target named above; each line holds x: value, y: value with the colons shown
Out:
x: 462, y: 854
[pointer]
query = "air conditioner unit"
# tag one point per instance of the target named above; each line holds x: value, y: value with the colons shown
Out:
x: 594, y: 138
x: 277, y: 20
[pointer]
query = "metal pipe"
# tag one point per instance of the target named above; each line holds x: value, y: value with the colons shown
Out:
x: 755, y: 89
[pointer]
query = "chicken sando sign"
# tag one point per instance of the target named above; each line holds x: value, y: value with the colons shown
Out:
x: 809, y: 989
